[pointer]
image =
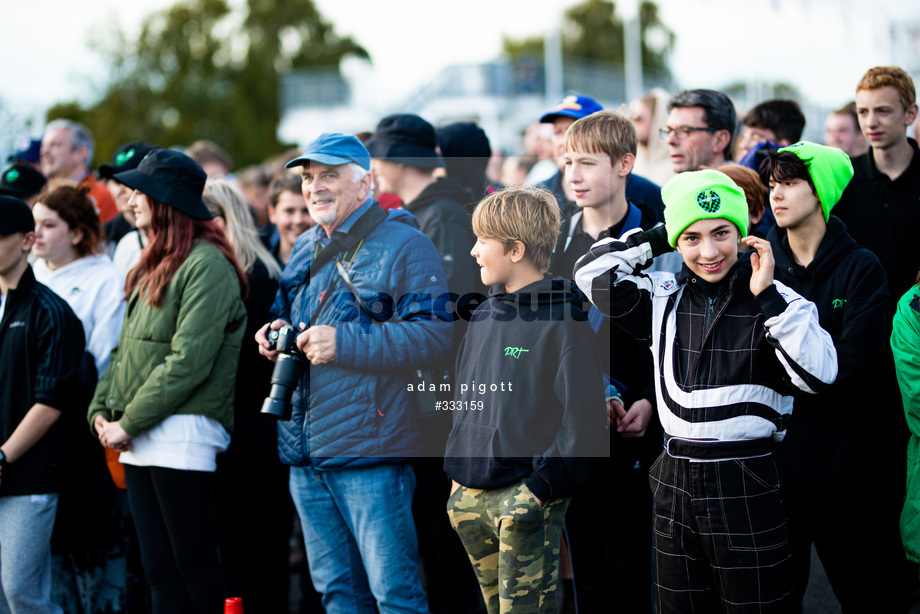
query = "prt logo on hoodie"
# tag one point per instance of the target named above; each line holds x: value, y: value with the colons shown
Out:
x: 515, y: 352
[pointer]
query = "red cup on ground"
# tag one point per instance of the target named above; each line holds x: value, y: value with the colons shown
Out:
x: 233, y: 605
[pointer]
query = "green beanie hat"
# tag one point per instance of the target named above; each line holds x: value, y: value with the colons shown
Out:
x: 701, y: 195
x: 830, y: 169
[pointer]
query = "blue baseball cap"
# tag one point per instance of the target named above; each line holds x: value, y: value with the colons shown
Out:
x: 30, y: 151
x: 334, y: 148
x: 572, y: 106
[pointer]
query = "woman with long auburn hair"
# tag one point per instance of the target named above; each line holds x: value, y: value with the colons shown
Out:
x: 166, y: 401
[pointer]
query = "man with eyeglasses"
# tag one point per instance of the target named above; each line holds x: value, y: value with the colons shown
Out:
x: 700, y: 129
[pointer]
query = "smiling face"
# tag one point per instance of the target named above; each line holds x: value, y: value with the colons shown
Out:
x: 794, y: 203
x: 709, y: 248
x: 143, y: 215
x: 332, y: 194
x: 54, y: 239
x: 291, y: 216
x: 882, y: 117
x: 495, y: 266
x: 122, y: 194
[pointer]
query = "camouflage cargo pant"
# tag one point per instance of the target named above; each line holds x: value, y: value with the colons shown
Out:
x: 513, y: 545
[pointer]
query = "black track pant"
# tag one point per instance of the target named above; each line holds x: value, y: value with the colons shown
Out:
x: 175, y: 520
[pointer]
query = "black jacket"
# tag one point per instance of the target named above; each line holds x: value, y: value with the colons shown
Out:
x: 884, y: 215
x: 442, y: 218
x: 41, y: 346
x: 252, y: 432
x: 624, y: 358
x: 847, y: 284
x: 538, y: 343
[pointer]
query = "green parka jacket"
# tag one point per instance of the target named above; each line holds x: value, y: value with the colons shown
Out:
x: 905, y: 343
x: 180, y: 357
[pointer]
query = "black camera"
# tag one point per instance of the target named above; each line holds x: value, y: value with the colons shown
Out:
x: 287, y: 372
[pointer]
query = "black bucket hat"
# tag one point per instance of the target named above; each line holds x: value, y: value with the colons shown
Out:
x: 126, y: 158
x: 173, y: 179
x: 407, y: 139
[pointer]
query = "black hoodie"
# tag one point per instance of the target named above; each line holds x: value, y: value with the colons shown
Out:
x: 538, y: 344
x: 848, y: 285
x: 442, y: 218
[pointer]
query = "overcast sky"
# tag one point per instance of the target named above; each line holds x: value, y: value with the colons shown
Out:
x: 821, y: 46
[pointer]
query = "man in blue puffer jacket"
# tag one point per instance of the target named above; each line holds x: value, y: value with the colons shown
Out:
x: 353, y: 423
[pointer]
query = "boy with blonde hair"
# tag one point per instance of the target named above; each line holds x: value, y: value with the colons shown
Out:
x: 610, y: 566
x: 527, y: 404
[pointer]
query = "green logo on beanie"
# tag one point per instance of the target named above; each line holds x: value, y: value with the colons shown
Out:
x: 709, y: 201
x: 11, y: 175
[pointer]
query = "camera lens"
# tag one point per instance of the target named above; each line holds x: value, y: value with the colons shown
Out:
x: 285, y: 377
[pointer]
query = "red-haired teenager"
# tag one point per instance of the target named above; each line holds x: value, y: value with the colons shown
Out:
x: 166, y: 402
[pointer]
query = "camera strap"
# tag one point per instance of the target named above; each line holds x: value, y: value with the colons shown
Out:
x: 343, y: 273
x: 347, y: 241
x: 341, y: 241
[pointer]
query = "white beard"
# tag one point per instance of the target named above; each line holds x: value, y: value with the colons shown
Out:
x: 325, y: 217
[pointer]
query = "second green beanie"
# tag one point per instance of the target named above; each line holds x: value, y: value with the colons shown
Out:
x: 830, y: 169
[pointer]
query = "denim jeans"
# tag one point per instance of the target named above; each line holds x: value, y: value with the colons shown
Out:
x: 25, y: 554
x: 360, y: 539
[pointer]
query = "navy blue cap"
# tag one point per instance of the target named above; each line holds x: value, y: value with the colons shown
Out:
x: 15, y: 216
x: 334, y: 148
x: 572, y: 106
x: 30, y: 151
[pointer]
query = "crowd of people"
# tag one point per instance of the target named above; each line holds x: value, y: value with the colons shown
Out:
x: 646, y: 363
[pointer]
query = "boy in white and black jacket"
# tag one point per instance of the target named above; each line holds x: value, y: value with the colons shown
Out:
x: 528, y: 409
x: 730, y: 346
x: 838, y: 438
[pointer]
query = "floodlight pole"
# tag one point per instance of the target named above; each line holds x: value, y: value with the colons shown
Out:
x: 632, y: 49
x: 552, y: 62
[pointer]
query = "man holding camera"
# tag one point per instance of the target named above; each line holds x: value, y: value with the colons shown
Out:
x: 361, y: 286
